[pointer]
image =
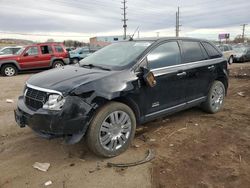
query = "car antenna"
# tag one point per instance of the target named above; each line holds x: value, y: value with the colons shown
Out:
x: 131, y: 38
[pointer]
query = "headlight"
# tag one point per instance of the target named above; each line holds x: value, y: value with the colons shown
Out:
x: 55, y: 102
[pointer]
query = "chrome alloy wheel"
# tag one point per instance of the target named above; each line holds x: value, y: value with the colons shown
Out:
x: 115, y: 130
x: 9, y: 71
x: 217, y: 97
x: 58, y: 65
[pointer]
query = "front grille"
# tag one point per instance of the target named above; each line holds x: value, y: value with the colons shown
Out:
x: 35, y: 98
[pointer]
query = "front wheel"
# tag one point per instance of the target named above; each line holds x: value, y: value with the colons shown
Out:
x: 111, y: 130
x: 230, y: 60
x: 215, y: 98
x: 8, y: 70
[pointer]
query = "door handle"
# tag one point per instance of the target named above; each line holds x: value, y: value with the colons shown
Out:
x: 182, y: 74
x: 211, y: 67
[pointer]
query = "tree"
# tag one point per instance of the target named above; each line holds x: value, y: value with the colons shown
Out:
x: 50, y: 40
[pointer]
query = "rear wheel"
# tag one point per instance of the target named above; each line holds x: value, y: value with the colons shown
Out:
x: 8, y: 70
x: 75, y: 60
x: 112, y: 130
x: 57, y: 64
x: 215, y: 98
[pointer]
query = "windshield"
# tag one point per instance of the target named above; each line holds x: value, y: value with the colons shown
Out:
x: 116, y: 55
x: 19, y: 51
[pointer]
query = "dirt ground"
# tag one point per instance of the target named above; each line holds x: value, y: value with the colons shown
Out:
x: 193, y: 149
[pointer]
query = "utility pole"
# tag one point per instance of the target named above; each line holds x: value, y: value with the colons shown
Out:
x: 243, y: 32
x: 124, y: 19
x: 177, y: 25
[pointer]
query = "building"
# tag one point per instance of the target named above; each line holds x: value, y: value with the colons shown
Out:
x: 99, y: 42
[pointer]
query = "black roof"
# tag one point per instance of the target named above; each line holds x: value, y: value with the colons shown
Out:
x: 168, y: 38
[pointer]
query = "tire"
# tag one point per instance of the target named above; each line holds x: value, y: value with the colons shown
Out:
x: 215, y: 98
x: 75, y: 60
x: 9, y: 70
x: 108, y: 139
x: 57, y: 64
x: 230, y: 60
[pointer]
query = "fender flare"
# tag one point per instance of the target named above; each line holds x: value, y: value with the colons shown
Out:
x: 10, y: 62
x: 54, y: 59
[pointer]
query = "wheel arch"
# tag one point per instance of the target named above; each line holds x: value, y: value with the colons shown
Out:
x: 101, y: 101
x: 224, y: 80
x: 10, y: 63
x: 56, y: 59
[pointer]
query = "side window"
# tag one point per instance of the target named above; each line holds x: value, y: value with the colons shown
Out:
x: 7, y: 51
x: 226, y: 48
x: 46, y: 49
x: 32, y: 51
x: 211, y: 50
x: 59, y: 48
x: 15, y: 50
x: 166, y: 54
x: 192, y: 52
x: 221, y: 48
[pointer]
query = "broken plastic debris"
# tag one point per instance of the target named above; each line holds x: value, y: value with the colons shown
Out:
x: 41, y: 166
x: 241, y: 94
x: 48, y: 183
x: 152, y: 140
x: 9, y: 101
x: 149, y: 157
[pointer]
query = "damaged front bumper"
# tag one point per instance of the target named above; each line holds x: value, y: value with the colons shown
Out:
x: 73, y: 119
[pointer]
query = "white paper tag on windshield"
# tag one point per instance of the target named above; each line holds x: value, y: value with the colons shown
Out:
x: 145, y: 44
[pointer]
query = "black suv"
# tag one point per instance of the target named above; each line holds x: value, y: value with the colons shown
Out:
x: 124, y: 84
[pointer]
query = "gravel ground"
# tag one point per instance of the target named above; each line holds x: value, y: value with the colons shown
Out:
x: 193, y: 149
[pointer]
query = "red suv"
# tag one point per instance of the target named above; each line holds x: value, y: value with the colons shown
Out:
x: 43, y: 55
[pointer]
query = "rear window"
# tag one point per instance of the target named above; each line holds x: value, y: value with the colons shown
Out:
x: 58, y: 48
x: 211, y: 50
x: 192, y: 51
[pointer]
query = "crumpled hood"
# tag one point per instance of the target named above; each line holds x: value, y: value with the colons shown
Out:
x: 66, y: 78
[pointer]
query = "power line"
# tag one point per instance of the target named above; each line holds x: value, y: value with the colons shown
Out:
x: 124, y: 8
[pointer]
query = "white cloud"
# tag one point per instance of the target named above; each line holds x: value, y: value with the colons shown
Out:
x: 199, y: 18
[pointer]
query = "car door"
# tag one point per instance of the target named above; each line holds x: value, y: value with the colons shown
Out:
x: 199, y: 69
x: 46, y: 55
x: 30, y: 58
x: 169, y: 92
x: 248, y: 54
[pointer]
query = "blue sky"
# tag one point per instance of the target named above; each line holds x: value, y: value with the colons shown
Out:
x: 63, y: 19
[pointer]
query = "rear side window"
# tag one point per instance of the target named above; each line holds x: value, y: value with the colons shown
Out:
x: 211, y: 50
x: 46, y: 49
x: 166, y: 54
x: 192, y: 52
x: 59, y: 48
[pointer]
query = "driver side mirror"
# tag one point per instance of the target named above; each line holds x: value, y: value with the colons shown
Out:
x: 148, y: 77
x: 25, y: 54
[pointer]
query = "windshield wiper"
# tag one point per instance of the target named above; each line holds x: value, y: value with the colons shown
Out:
x: 97, y: 66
